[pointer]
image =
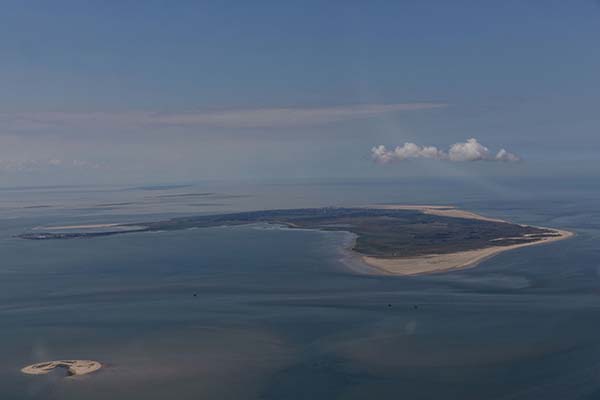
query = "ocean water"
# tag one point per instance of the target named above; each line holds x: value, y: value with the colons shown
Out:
x: 259, y: 312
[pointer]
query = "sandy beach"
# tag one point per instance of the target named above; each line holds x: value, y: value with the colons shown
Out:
x: 435, y: 263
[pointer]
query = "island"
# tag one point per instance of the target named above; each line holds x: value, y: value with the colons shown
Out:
x: 73, y: 367
x: 390, y: 239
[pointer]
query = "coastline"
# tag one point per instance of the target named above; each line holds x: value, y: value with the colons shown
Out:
x: 439, y: 263
x: 394, y: 256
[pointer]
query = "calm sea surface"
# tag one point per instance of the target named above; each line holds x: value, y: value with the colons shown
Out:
x: 258, y: 312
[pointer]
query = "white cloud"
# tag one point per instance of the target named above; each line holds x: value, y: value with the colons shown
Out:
x: 471, y: 150
x: 504, y: 155
x: 406, y: 151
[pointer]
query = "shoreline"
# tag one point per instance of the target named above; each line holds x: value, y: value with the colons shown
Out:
x: 440, y: 263
x: 420, y: 259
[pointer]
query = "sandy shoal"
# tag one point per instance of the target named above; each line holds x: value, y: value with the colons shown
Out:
x: 88, y: 226
x: 75, y: 367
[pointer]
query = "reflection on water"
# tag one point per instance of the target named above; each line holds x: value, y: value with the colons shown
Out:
x: 248, y: 312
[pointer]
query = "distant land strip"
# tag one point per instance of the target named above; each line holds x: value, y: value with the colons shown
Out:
x: 390, y: 239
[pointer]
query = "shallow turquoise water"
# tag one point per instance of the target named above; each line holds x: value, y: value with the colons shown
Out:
x: 254, y: 312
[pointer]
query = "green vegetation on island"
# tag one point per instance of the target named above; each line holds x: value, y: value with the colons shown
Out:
x: 385, y: 233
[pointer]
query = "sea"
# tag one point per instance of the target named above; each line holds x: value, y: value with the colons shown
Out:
x: 265, y: 312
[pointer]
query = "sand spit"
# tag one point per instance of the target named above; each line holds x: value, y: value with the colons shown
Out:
x: 444, y: 211
x: 434, y: 263
x: 74, y: 367
x: 89, y: 226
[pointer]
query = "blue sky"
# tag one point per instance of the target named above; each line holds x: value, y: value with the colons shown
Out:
x: 120, y: 91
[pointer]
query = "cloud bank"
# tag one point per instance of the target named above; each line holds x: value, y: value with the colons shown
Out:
x: 471, y: 150
x: 230, y: 118
x: 44, y: 164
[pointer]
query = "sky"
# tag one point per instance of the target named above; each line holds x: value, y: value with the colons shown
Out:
x: 177, y: 91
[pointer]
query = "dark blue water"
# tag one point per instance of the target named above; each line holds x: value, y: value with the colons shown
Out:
x: 260, y: 313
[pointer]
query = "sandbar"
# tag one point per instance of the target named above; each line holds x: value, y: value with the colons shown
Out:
x: 74, y: 367
x: 88, y: 226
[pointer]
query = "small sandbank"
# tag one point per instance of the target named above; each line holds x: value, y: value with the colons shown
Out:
x: 436, y: 263
x: 88, y: 226
x: 74, y: 367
